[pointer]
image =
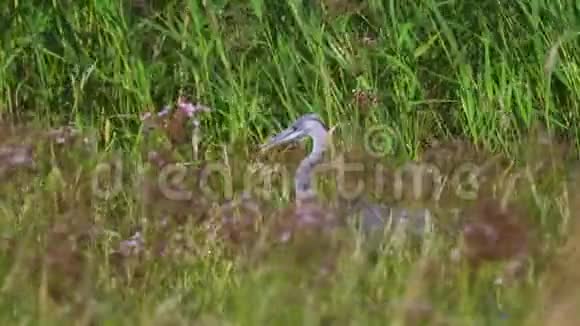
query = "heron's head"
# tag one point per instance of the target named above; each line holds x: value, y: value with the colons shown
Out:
x: 307, y: 125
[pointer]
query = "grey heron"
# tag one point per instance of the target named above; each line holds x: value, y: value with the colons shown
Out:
x: 373, y: 216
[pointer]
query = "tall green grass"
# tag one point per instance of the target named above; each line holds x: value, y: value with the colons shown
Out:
x: 473, y: 70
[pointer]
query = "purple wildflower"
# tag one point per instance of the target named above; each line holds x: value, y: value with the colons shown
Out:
x: 191, y: 109
x: 132, y: 246
x: 165, y: 111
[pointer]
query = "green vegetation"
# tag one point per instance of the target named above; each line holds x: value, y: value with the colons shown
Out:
x: 446, y: 82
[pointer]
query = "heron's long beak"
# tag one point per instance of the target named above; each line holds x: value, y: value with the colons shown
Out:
x: 284, y: 137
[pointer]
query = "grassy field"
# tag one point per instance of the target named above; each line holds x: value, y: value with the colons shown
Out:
x: 485, y: 92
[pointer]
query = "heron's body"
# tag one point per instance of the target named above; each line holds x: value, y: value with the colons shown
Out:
x: 373, y: 217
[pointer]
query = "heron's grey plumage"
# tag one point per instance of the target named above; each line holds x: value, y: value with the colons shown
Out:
x: 373, y: 216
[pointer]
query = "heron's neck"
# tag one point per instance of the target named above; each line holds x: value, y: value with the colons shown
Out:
x: 303, y: 177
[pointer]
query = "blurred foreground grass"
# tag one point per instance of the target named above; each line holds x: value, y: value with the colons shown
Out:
x: 447, y: 83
